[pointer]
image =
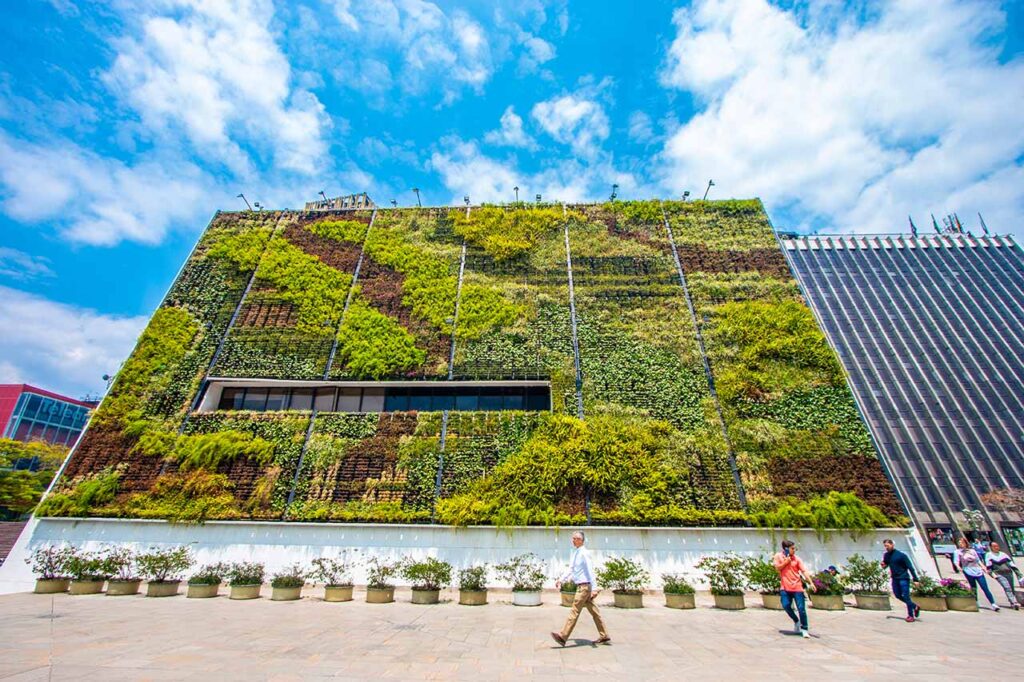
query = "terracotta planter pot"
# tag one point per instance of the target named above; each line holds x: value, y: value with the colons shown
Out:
x: 202, y: 591
x: 526, y: 598
x: 425, y: 596
x: 123, y: 588
x: 52, y: 586
x: 729, y: 602
x: 936, y: 604
x: 245, y: 592
x: 472, y: 597
x: 567, y: 598
x: 827, y: 602
x: 380, y: 595
x: 680, y: 601
x: 772, y: 602
x: 968, y: 604
x: 85, y: 586
x: 165, y: 589
x: 338, y: 593
x: 626, y: 600
x: 285, y: 593
x: 872, y: 602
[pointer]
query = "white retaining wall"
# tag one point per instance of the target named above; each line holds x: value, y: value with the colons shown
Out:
x: 662, y: 550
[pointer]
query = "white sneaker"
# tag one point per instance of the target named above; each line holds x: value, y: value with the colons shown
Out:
x: 796, y: 628
x: 806, y: 635
x: 995, y: 607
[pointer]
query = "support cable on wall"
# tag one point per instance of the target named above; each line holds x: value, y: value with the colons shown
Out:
x: 575, y: 346
x: 709, y: 375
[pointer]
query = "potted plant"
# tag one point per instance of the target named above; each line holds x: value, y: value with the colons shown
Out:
x: 50, y: 566
x: 120, y: 566
x: 679, y: 593
x: 163, y: 569
x: 245, y: 579
x: 379, y: 573
x: 88, y: 572
x: 627, y: 580
x: 525, y: 572
x: 868, y: 580
x: 763, y: 577
x: 205, y: 583
x: 828, y: 592
x: 568, y: 592
x: 929, y: 595
x: 427, y: 578
x: 287, y: 585
x: 336, y: 576
x: 473, y: 586
x: 959, y: 597
x: 727, y: 577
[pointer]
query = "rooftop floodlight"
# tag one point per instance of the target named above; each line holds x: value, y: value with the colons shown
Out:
x: 711, y: 183
x: 686, y: 195
x: 394, y: 203
x: 109, y: 379
x: 417, y: 191
x: 242, y: 197
x: 466, y: 199
x: 615, y: 192
x: 516, y: 188
x: 538, y: 198
x: 323, y: 195
x: 257, y: 205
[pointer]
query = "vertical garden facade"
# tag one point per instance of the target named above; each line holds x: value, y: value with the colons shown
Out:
x: 629, y: 363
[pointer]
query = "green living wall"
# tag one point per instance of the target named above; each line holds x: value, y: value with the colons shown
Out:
x: 375, y: 295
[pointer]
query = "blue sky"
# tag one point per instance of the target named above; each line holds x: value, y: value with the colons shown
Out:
x: 125, y: 124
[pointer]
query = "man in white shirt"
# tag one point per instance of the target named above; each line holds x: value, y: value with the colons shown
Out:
x: 581, y: 572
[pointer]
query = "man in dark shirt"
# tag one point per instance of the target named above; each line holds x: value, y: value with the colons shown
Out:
x: 902, y: 571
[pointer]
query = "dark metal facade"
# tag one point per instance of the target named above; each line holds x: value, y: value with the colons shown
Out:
x: 931, y: 333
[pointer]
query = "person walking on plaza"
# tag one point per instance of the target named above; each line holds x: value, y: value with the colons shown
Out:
x: 970, y: 563
x: 581, y: 572
x: 1001, y: 567
x: 902, y: 571
x: 792, y: 574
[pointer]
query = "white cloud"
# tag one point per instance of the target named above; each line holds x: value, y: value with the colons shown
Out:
x: 97, y: 200
x: 536, y: 51
x: 214, y: 71
x: 23, y: 266
x: 465, y: 170
x: 575, y: 120
x: 511, y: 133
x: 61, y: 347
x: 846, y: 126
x: 641, y: 128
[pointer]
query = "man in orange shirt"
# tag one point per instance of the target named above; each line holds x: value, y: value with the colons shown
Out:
x: 792, y: 573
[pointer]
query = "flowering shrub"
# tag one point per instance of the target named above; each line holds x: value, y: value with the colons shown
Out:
x: 955, y: 588
x: 827, y: 584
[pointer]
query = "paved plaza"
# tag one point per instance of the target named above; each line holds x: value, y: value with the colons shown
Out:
x: 135, y: 638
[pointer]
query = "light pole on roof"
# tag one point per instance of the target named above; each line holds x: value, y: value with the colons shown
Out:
x: 417, y: 191
x: 711, y: 183
x: 516, y: 188
x: 242, y: 197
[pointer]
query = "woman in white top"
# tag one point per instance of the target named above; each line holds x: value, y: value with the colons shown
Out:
x: 1001, y: 567
x: 970, y: 563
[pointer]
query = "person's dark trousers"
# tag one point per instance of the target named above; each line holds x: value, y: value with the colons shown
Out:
x: 787, y: 603
x: 974, y: 581
x: 901, y: 590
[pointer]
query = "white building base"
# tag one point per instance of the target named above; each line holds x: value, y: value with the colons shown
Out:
x: 662, y: 550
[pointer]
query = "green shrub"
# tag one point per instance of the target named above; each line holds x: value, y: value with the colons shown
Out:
x: 191, y: 497
x: 164, y: 565
x: 473, y: 579
x: 762, y: 575
x: 51, y: 563
x: 243, y: 248
x: 292, y: 576
x: 569, y: 587
x: 508, y: 234
x: 340, y: 230
x: 82, y: 565
x: 332, y: 572
x: 952, y: 587
x: 82, y: 495
x: 866, y: 575
x: 20, y: 490
x: 726, y: 573
x: 927, y: 586
x: 373, y: 346
x: 380, y: 573
x: 245, y: 573
x: 119, y: 563
x: 210, y: 574
x: 673, y: 583
x: 525, y: 572
x: 317, y: 290
x: 623, y: 575
x: 827, y: 584
x: 429, y: 574
x: 835, y: 510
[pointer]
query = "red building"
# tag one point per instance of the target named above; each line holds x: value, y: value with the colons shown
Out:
x: 30, y: 413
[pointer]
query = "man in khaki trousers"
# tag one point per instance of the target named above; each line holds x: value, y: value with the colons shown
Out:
x: 581, y: 572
